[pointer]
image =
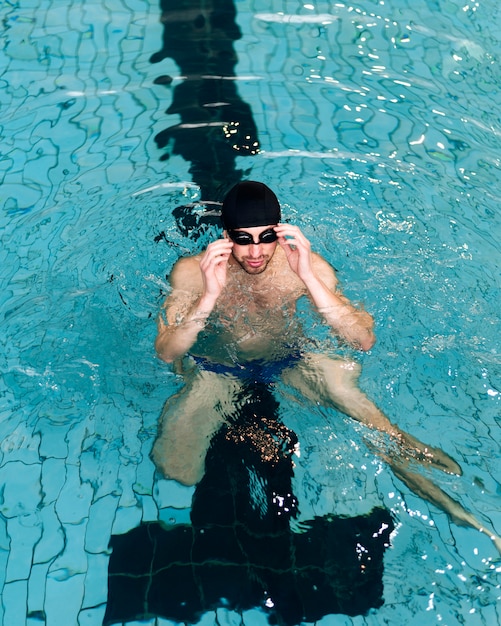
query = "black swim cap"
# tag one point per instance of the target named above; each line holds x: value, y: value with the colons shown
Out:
x: 250, y: 204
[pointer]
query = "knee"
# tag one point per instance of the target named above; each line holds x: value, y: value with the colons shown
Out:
x: 182, y: 471
x: 343, y: 372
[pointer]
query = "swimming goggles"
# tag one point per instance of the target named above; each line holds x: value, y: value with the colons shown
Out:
x: 241, y: 238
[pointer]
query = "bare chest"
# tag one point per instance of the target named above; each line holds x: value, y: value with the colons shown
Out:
x: 257, y: 302
x: 255, y: 321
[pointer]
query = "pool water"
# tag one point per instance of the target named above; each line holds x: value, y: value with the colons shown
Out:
x: 378, y: 126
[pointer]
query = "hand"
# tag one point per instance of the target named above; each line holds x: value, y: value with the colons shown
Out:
x: 214, y: 265
x: 297, y: 250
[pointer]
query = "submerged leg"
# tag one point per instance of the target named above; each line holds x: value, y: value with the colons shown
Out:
x: 426, y: 489
x: 334, y: 382
x: 189, y: 420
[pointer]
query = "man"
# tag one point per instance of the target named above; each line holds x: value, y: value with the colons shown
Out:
x: 230, y: 318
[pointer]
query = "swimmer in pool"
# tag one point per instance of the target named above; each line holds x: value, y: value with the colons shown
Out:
x: 230, y: 318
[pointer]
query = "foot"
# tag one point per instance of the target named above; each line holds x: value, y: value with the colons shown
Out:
x: 427, y: 455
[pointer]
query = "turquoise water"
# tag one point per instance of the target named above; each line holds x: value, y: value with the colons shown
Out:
x: 378, y: 126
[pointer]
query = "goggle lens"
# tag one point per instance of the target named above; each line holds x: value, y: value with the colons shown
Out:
x: 241, y: 238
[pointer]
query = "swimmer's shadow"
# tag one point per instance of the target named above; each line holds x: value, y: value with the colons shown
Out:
x: 239, y: 552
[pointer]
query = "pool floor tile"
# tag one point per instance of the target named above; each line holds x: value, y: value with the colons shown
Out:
x: 63, y: 600
x: 36, y: 588
x: 22, y: 493
x: 25, y: 532
x: 15, y: 601
x: 125, y: 519
x: 73, y: 560
x: 101, y: 518
x: 53, y: 478
x: 74, y: 500
x: 91, y: 617
x: 53, y: 538
x: 96, y: 590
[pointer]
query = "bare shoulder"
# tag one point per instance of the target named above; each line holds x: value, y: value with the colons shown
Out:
x: 186, y: 286
x: 186, y: 275
x: 325, y: 271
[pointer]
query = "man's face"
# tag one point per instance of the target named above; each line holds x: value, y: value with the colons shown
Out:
x: 255, y: 256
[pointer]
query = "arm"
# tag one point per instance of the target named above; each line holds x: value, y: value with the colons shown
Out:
x: 196, y: 285
x: 186, y: 315
x: 354, y: 325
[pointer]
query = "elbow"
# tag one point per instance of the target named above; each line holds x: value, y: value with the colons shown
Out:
x: 165, y: 358
x: 367, y: 343
x: 367, y: 338
x: 162, y: 353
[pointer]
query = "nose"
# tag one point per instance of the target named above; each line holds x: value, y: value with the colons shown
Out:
x: 255, y: 250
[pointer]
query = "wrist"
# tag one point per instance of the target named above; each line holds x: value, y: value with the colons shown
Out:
x: 199, y: 314
x: 201, y: 311
x: 312, y: 283
x: 205, y: 305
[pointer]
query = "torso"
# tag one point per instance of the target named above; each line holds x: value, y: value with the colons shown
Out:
x: 255, y: 315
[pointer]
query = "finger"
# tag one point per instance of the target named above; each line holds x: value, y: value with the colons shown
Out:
x: 224, y: 245
x: 287, y: 228
x: 287, y: 244
x: 213, y: 261
x: 290, y: 250
x: 291, y: 233
x: 294, y: 243
x: 217, y: 252
x: 217, y: 248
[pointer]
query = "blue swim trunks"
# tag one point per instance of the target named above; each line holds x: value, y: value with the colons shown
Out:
x: 256, y: 371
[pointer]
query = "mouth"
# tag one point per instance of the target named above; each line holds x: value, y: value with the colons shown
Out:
x: 254, y: 263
